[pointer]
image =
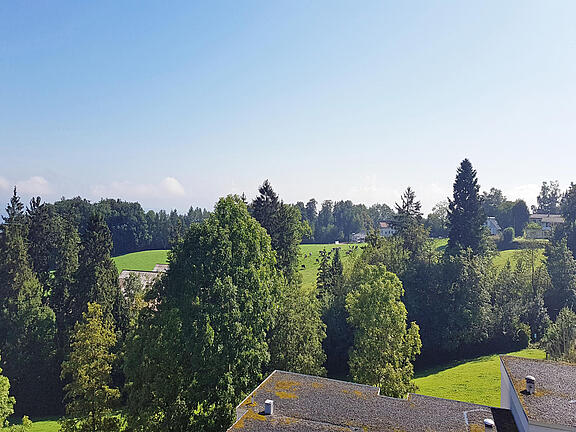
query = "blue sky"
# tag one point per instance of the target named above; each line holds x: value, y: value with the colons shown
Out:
x: 178, y: 103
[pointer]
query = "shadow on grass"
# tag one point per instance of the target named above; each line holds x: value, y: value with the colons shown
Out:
x: 436, y: 369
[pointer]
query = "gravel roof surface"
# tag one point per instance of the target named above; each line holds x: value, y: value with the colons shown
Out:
x: 307, y: 403
x: 554, y: 401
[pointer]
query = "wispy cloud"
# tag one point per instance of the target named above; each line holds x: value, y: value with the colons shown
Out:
x: 168, y: 187
x: 35, y: 185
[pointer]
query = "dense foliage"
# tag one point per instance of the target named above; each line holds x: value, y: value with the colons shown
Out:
x: 89, y: 395
x: 180, y: 355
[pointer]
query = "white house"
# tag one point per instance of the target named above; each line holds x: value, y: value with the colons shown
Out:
x: 387, y: 229
x: 358, y: 237
x: 546, y: 222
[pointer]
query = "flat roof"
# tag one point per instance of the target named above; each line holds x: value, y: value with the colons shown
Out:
x: 308, y: 403
x: 554, y: 401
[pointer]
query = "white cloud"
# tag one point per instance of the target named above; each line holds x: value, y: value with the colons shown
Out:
x: 172, y: 187
x: 168, y: 187
x: 35, y: 185
x: 527, y: 192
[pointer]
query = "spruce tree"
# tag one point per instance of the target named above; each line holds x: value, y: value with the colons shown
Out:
x: 465, y: 216
x: 338, y: 333
x: 14, y: 211
x: 27, y: 327
x: 284, y: 226
x: 97, y: 276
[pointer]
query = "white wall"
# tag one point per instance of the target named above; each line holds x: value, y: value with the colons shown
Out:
x: 509, y: 400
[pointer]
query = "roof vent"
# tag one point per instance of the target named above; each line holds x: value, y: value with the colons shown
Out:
x: 530, y: 384
x: 488, y: 424
x: 269, y: 407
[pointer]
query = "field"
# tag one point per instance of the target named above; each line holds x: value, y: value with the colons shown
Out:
x: 146, y: 260
x: 475, y: 381
x: 45, y: 426
x: 312, y: 253
x: 502, y: 258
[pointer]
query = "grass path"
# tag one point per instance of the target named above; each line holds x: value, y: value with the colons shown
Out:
x: 476, y: 381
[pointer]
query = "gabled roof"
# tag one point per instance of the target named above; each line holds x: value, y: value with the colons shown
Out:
x: 307, y: 403
x: 493, y: 221
x: 554, y: 401
x: 545, y: 217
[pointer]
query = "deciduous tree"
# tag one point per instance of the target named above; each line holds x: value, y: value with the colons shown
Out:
x: 89, y: 395
x: 214, y: 307
x: 384, y: 346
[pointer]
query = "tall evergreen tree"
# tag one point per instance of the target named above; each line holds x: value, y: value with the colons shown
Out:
x: 97, y: 276
x: 520, y: 216
x: 27, y: 327
x: 409, y: 223
x: 284, y: 226
x: 338, y: 333
x: 14, y: 211
x: 465, y: 216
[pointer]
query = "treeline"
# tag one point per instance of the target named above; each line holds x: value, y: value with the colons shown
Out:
x: 336, y: 221
x: 131, y: 228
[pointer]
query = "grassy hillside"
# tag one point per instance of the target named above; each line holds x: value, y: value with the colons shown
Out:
x: 312, y: 253
x: 502, y: 258
x: 145, y: 260
x: 45, y: 426
x: 476, y: 381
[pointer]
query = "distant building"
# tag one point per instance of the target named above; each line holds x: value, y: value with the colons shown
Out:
x: 147, y: 278
x: 493, y: 225
x: 358, y: 237
x: 547, y: 223
x: 536, y: 396
x: 387, y: 229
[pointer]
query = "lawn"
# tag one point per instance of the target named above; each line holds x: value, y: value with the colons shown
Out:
x: 476, y: 381
x: 440, y: 244
x: 45, y: 426
x: 312, y: 253
x: 145, y: 260
x: 502, y: 258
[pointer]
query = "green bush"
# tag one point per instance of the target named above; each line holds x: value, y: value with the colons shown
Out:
x: 508, y: 235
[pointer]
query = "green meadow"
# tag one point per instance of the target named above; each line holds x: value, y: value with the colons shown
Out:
x: 146, y: 260
x: 476, y: 381
x: 512, y: 255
